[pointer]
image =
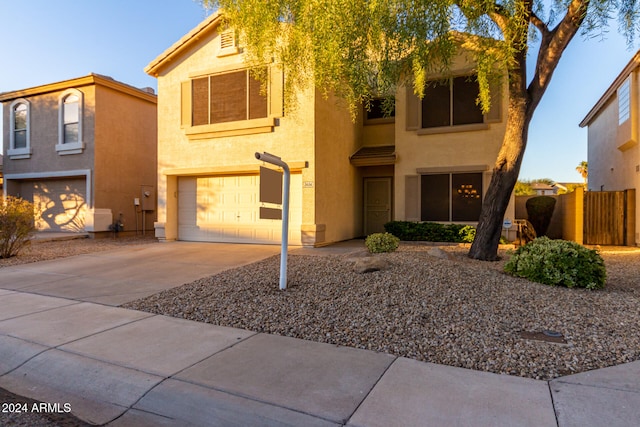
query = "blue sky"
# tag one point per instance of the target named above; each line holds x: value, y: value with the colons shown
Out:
x: 47, y: 41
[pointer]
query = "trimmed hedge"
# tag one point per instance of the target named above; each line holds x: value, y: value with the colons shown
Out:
x: 429, y: 231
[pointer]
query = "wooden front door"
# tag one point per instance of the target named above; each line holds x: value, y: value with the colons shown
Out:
x: 377, y: 204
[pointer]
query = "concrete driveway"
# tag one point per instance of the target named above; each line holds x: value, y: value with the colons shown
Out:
x: 118, y: 276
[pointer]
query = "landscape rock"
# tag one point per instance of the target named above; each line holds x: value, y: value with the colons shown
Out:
x: 439, y: 253
x: 370, y: 264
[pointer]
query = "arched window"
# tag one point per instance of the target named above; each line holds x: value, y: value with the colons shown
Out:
x: 70, y: 109
x: 19, y: 139
x: 70, y: 118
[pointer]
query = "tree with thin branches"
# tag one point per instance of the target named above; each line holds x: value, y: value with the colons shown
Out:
x: 360, y: 49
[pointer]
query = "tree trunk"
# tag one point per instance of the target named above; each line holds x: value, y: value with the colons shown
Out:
x: 506, y: 168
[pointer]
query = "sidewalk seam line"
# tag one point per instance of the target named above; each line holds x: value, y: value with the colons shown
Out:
x: 371, y: 389
x: 602, y: 386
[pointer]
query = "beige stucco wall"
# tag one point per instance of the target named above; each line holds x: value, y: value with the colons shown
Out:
x: 613, y: 149
x: 454, y: 151
x: 292, y: 139
x: 337, y: 137
x: 610, y: 168
x: 125, y: 154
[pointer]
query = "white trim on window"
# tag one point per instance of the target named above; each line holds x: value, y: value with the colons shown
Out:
x: 22, y: 152
x: 624, y: 93
x: 62, y: 147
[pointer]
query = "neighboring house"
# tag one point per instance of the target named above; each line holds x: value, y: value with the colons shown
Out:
x: 431, y: 161
x: 543, y: 189
x: 82, y: 150
x: 613, y: 135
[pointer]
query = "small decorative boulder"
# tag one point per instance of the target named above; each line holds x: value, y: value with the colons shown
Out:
x: 438, y: 253
x: 370, y: 264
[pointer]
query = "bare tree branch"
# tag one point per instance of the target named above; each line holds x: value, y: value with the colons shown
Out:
x: 539, y: 24
x: 552, y: 46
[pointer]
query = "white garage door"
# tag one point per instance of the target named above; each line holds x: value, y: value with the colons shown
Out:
x: 60, y: 204
x: 226, y: 209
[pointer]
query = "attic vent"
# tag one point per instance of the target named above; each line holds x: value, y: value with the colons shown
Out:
x: 228, y: 43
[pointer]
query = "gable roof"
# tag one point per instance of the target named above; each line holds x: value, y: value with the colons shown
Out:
x: 632, y: 65
x: 205, y: 28
x: 91, y: 79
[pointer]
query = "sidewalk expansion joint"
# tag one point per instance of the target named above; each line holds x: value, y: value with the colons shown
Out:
x: 395, y: 358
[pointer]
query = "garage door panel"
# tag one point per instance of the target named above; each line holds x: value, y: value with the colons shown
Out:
x: 60, y: 204
x: 226, y: 209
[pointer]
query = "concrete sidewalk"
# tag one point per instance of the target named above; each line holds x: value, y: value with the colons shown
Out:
x: 129, y: 368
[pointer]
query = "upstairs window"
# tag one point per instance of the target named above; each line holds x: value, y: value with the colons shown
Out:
x: 451, y: 102
x: 623, y: 101
x: 70, y: 119
x: 19, y: 137
x: 70, y: 113
x: 227, y: 97
x: 378, y: 112
x: 20, y: 126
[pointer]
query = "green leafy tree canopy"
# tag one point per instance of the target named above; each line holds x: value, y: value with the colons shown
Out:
x: 366, y: 48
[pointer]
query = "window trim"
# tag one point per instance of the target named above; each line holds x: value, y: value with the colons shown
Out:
x: 63, y: 148
x: 19, y: 153
x: 237, y: 127
x: 624, y: 101
x: 450, y: 172
x: 451, y: 127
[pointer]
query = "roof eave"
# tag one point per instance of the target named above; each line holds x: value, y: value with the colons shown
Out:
x: 632, y: 65
x: 90, y: 79
x: 204, y: 28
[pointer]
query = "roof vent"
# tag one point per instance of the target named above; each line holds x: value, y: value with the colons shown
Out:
x: 148, y: 90
x: 228, y: 43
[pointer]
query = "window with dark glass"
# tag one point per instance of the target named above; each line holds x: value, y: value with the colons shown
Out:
x: 71, y: 119
x: 227, y: 97
x: 378, y: 110
x: 451, y: 197
x: 20, y: 126
x: 451, y: 102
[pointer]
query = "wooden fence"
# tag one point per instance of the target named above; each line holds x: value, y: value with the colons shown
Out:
x: 609, y: 217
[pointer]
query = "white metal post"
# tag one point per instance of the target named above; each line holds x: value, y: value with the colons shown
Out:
x: 274, y: 160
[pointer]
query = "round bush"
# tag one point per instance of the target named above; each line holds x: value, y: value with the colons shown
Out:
x: 381, y: 242
x: 558, y: 263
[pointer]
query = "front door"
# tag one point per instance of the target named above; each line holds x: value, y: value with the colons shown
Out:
x: 377, y: 204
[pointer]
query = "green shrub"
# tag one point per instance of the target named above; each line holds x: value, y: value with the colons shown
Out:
x: 16, y: 225
x: 540, y: 210
x: 558, y: 263
x: 381, y: 242
x: 433, y: 232
x: 467, y: 234
x: 424, y: 231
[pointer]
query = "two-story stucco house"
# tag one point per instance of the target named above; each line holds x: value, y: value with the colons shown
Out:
x: 431, y: 161
x: 82, y: 150
x: 613, y: 135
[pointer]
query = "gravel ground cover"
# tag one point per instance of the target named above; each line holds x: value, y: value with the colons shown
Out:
x: 453, y: 311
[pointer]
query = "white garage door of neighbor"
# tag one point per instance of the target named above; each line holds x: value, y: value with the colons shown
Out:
x: 226, y: 209
x: 60, y: 204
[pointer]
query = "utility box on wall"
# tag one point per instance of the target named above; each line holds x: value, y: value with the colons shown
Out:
x: 147, y: 198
